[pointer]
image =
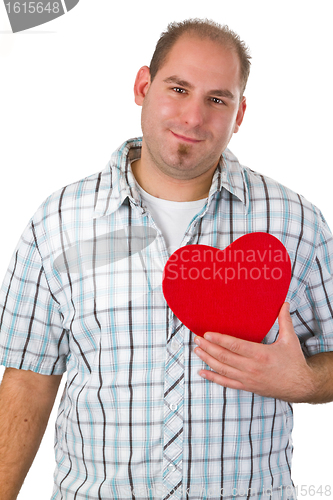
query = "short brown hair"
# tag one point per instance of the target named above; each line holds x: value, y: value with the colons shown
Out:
x: 202, y: 28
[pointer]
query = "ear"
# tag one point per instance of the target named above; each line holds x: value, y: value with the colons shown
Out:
x: 141, y: 85
x: 240, y: 114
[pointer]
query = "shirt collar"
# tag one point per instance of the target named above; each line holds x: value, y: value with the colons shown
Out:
x: 233, y: 177
x: 117, y: 182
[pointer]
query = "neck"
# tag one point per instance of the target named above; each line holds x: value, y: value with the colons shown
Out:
x: 160, y: 185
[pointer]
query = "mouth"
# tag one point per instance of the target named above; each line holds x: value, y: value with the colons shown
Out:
x: 186, y: 139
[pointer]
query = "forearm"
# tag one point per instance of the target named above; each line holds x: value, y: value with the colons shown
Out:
x: 24, y: 413
x: 322, y: 369
x: 21, y: 431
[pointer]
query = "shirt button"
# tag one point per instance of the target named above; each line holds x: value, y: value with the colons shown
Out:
x: 173, y: 407
x: 172, y: 468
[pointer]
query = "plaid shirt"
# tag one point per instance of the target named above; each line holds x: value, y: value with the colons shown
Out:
x: 83, y: 294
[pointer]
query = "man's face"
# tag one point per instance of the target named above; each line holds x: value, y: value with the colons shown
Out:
x: 191, y: 109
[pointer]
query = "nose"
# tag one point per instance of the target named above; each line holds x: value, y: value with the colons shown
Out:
x: 193, y: 112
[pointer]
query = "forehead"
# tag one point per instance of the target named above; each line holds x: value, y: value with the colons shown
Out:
x: 202, y: 60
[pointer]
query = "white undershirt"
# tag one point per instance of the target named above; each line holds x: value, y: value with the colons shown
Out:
x: 171, y: 217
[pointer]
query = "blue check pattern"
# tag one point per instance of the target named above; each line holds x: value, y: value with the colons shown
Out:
x: 83, y: 295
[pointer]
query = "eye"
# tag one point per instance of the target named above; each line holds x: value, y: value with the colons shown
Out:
x: 179, y: 90
x: 217, y: 100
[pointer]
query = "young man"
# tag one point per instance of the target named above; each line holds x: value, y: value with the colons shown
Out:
x: 142, y: 416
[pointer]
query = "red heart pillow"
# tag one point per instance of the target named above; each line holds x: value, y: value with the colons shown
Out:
x: 237, y: 291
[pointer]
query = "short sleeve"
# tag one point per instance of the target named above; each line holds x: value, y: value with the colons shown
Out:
x: 313, y: 318
x: 31, y: 332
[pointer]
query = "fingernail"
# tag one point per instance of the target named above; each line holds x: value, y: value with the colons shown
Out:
x: 207, y: 336
x: 197, y: 340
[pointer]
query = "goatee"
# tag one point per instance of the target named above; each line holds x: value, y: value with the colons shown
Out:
x: 183, y: 149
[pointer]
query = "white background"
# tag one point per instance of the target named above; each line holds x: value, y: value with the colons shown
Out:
x: 66, y: 102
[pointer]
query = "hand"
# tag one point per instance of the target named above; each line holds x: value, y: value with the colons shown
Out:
x: 278, y: 370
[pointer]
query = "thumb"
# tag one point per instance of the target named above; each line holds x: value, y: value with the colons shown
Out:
x: 285, y: 322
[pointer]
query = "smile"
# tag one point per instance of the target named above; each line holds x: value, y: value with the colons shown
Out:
x: 185, y: 139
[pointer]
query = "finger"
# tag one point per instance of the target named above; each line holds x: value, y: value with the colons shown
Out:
x: 220, y: 354
x: 284, y: 314
x: 220, y: 368
x: 286, y: 326
x: 237, y: 346
x: 221, y: 380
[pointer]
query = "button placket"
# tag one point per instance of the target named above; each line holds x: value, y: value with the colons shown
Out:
x: 173, y: 416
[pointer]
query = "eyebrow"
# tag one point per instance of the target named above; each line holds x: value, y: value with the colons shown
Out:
x: 183, y: 83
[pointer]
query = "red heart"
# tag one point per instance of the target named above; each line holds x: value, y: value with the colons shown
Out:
x: 238, y: 291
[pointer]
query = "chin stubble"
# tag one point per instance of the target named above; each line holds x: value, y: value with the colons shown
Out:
x: 183, y: 149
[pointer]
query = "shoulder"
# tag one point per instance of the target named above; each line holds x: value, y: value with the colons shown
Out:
x: 275, y: 208
x: 280, y: 201
x: 74, y: 200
